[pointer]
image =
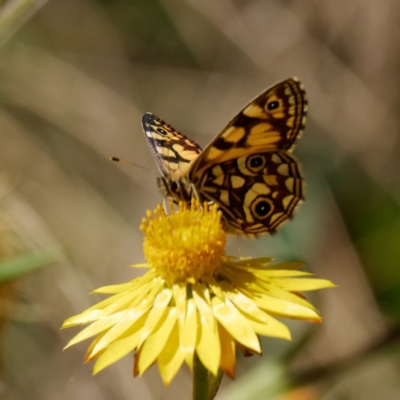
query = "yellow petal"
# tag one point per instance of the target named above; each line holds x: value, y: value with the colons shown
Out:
x: 204, y: 307
x: 95, y: 328
x: 243, y: 302
x: 180, y: 300
x: 188, y: 333
x: 126, y: 322
x: 83, y: 318
x: 272, y: 328
x: 116, y: 351
x: 203, y: 289
x: 208, y: 346
x: 160, y: 304
x: 216, y: 288
x: 283, y: 308
x: 248, y: 261
x: 170, y: 358
x: 146, y: 284
x: 235, y: 323
x: 267, y: 273
x: 113, y: 289
x: 228, y: 352
x: 119, y: 302
x: 111, y: 305
x: 302, y: 285
x: 88, y: 355
x: 283, y: 294
x: 142, y: 265
x: 154, y: 343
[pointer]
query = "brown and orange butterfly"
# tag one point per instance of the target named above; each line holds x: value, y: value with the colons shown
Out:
x: 248, y: 169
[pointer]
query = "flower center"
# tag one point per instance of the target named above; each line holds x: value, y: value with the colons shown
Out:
x: 186, y: 245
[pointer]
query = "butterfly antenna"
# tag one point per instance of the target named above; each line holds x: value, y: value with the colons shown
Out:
x: 121, y: 160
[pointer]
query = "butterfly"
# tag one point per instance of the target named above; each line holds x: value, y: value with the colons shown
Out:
x: 248, y: 169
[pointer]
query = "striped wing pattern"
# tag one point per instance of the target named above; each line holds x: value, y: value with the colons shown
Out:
x: 248, y: 169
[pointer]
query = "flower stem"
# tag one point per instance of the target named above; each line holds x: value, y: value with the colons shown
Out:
x: 200, y: 380
x: 213, y: 384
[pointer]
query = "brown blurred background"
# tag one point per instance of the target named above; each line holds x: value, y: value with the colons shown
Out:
x: 75, y: 78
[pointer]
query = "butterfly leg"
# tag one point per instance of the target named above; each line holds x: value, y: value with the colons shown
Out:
x: 164, y: 202
x: 194, y: 193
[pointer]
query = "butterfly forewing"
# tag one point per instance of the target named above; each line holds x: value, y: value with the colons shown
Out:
x: 172, y: 151
x: 273, y: 120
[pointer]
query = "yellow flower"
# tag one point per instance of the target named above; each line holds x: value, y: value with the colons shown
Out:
x: 193, y: 299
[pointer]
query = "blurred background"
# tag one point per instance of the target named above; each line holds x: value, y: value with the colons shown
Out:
x: 76, y: 77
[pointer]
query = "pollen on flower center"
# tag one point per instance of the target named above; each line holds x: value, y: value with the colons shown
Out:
x: 186, y: 245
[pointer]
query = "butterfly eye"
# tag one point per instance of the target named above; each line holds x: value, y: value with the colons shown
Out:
x: 160, y: 130
x: 272, y: 105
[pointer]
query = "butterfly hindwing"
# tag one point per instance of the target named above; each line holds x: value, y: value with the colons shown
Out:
x: 256, y: 193
x: 172, y: 151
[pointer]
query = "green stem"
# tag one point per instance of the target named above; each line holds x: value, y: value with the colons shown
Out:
x: 200, y: 380
x: 205, y: 385
x: 213, y: 384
